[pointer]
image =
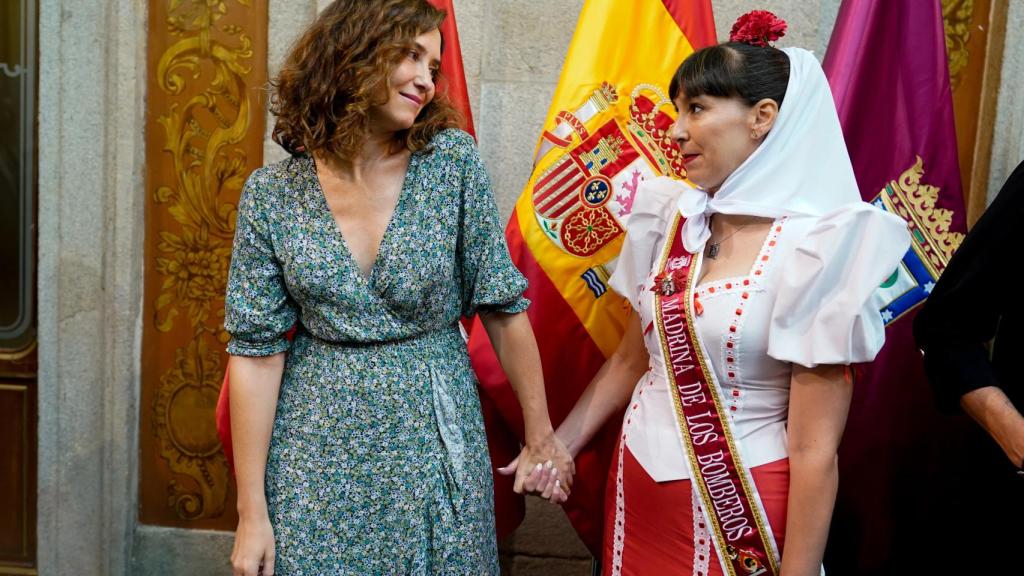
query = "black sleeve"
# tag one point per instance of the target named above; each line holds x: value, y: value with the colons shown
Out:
x: 962, y: 313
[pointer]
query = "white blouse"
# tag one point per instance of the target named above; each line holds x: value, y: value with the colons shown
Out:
x: 810, y: 298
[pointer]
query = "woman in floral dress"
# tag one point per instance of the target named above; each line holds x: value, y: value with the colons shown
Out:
x: 363, y: 451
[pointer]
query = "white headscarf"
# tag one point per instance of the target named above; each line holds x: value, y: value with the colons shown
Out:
x: 801, y: 168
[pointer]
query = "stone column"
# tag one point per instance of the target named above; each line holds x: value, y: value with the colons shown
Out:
x: 1008, y: 132
x: 91, y: 81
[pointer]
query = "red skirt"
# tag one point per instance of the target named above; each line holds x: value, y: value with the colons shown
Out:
x: 659, y: 532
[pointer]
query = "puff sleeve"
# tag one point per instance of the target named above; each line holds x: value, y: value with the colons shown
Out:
x: 653, y: 207
x: 827, y: 307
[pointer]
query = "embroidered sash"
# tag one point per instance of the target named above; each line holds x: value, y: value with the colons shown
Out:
x: 734, y: 512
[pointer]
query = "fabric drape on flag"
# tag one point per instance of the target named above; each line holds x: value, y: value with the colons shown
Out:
x: 605, y: 132
x: 887, y: 67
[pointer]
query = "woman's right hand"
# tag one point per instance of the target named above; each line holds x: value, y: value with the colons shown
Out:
x: 543, y: 479
x: 253, y: 554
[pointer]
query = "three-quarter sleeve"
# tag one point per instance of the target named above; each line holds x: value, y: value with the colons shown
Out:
x: 826, y: 310
x: 258, y: 310
x: 963, y: 312
x: 490, y: 282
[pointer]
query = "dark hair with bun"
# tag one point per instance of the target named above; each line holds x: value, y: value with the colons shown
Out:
x: 733, y: 69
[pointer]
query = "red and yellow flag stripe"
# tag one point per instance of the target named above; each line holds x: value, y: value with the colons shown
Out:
x: 605, y: 132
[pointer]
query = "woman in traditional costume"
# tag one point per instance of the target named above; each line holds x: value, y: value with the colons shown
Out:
x: 363, y: 451
x: 751, y: 292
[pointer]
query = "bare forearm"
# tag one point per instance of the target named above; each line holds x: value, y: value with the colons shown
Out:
x: 609, y: 391
x: 255, y: 384
x: 606, y: 395
x: 990, y: 407
x: 819, y: 400
x: 516, y: 348
x: 813, y: 482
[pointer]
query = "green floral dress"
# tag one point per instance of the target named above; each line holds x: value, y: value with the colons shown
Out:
x: 378, y: 462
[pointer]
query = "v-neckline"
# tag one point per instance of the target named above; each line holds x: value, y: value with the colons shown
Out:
x: 325, y: 206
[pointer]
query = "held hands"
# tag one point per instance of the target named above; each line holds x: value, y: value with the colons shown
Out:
x: 544, y: 468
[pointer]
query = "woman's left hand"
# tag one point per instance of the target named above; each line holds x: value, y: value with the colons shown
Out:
x: 543, y: 467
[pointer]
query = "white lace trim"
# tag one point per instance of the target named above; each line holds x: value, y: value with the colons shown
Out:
x: 701, y: 537
x: 620, y: 511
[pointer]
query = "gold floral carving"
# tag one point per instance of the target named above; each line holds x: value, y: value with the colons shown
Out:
x: 956, y: 18
x: 188, y: 437
x: 204, y: 76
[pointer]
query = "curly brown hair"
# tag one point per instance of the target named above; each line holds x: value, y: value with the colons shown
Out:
x: 340, y: 68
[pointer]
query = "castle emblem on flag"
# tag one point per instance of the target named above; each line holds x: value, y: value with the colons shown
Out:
x: 932, y: 241
x: 586, y: 194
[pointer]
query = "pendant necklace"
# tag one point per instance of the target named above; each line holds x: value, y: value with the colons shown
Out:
x: 716, y: 246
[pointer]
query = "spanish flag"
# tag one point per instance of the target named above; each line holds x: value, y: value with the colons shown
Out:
x: 606, y: 132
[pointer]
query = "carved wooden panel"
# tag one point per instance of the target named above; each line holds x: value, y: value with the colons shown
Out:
x: 206, y: 98
x: 17, y: 475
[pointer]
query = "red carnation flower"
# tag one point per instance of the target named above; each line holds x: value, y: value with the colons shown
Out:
x: 758, y: 28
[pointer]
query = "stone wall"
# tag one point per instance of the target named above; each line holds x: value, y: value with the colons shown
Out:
x: 91, y: 98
